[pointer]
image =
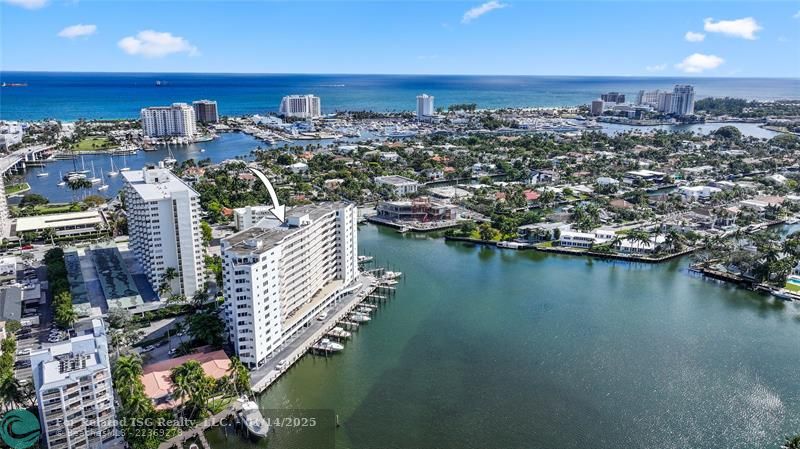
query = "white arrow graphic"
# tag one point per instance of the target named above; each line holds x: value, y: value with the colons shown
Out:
x: 278, y: 210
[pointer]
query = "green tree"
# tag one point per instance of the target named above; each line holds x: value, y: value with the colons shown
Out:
x: 206, y: 231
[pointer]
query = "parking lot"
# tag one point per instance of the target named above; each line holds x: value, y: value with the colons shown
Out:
x: 35, y: 331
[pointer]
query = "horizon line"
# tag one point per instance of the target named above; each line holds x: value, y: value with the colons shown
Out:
x: 397, y: 74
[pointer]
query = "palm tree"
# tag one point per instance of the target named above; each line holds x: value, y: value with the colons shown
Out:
x: 792, y: 442
x: 127, y: 372
x: 14, y: 393
x: 191, y: 385
x: 238, y: 377
x: 638, y: 236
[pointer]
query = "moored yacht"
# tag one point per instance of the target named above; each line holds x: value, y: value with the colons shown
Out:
x: 251, y: 418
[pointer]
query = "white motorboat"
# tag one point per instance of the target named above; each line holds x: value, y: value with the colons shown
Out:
x: 359, y: 317
x: 339, y: 332
x: 392, y: 275
x: 42, y: 174
x: 327, y: 346
x: 251, y: 418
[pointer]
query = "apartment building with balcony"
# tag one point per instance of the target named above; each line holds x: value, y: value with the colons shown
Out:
x: 75, y: 393
x: 279, y: 276
x: 164, y: 228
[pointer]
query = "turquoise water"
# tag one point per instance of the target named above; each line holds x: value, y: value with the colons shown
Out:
x: 70, y: 96
x: 793, y: 281
x: 489, y: 348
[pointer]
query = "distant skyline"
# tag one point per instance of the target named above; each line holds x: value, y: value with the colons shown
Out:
x: 549, y: 38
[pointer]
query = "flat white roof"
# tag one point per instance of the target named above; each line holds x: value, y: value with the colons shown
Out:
x: 157, y: 190
x: 57, y: 221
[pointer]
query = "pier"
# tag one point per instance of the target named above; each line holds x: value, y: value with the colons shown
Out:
x: 263, y: 377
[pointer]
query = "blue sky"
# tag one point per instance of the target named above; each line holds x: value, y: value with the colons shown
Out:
x: 659, y: 38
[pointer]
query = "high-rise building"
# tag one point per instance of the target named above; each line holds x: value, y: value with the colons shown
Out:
x: 649, y: 98
x: 75, y: 393
x: 425, y: 105
x: 177, y: 120
x: 301, y: 106
x: 682, y: 102
x: 164, y: 227
x: 678, y: 102
x: 664, y: 102
x: 279, y: 276
x: 205, y: 111
x: 597, y: 107
x: 613, y: 97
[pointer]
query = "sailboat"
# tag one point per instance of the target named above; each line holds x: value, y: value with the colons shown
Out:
x: 124, y: 164
x: 112, y: 172
x: 62, y: 183
x: 83, y: 166
x: 94, y: 179
x: 103, y: 186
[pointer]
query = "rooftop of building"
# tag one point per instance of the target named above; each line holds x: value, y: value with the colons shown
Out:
x: 156, y: 376
x: 396, y: 180
x: 162, y: 183
x: 71, y: 359
x: 55, y: 221
x: 268, y: 233
x: 11, y: 303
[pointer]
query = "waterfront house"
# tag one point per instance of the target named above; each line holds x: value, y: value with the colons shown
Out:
x: 695, y: 193
x: 158, y: 384
x: 421, y: 209
x: 543, y: 177
x: 400, y: 185
x: 638, y: 177
x: 542, y: 232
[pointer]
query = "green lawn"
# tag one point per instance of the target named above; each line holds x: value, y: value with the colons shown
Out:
x: 46, y: 209
x: 16, y: 188
x: 792, y: 287
x: 93, y: 144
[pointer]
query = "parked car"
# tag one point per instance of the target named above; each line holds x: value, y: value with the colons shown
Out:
x: 24, y: 363
x: 322, y: 316
x: 281, y: 365
x: 26, y: 351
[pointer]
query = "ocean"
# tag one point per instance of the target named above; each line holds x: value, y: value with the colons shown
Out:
x: 72, y: 96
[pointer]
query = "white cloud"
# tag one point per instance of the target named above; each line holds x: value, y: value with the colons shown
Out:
x: 656, y: 68
x: 28, y: 4
x: 691, y: 36
x: 745, y: 28
x: 155, y: 44
x: 699, y: 62
x: 478, y: 11
x: 80, y: 30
